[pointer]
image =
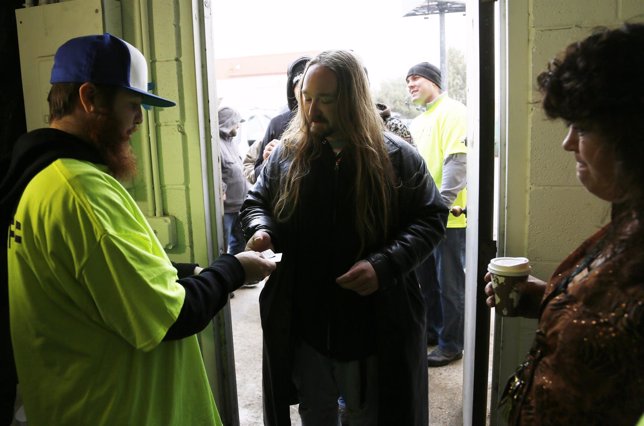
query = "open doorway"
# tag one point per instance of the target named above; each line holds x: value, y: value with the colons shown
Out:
x: 389, y: 44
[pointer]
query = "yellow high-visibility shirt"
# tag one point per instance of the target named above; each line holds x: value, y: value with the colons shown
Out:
x: 92, y: 295
x: 439, y: 132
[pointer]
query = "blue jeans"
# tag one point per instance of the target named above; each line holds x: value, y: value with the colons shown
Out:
x: 320, y: 381
x: 233, y: 235
x: 428, y: 279
x: 450, y: 264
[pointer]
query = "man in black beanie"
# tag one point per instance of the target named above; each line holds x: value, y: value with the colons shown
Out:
x: 440, y: 135
x: 428, y: 71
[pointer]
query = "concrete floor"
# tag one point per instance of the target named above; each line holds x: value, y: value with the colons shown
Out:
x: 445, y: 398
x: 445, y: 383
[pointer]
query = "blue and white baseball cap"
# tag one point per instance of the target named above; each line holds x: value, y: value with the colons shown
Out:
x: 104, y: 59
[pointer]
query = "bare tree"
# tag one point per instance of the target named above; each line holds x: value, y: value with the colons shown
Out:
x: 457, y: 75
x: 393, y: 93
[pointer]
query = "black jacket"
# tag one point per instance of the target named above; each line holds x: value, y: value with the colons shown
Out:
x: 302, y: 301
x: 275, y: 129
x: 278, y: 124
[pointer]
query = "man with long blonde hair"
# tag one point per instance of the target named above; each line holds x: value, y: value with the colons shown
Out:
x: 354, y: 211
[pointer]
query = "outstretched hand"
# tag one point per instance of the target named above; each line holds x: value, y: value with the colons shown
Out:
x: 531, y: 291
x: 260, y: 241
x: 361, y: 278
x: 255, y: 266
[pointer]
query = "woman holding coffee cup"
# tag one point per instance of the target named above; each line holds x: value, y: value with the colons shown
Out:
x: 586, y: 365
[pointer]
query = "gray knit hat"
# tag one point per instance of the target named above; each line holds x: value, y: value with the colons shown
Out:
x: 428, y: 71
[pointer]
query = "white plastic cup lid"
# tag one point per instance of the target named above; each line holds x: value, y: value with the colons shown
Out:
x: 509, y: 266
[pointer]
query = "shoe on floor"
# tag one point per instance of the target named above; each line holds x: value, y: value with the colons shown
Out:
x: 438, y: 358
x: 432, y: 340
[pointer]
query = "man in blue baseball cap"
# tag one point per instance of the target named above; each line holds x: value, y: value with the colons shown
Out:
x: 106, y: 60
x: 102, y: 322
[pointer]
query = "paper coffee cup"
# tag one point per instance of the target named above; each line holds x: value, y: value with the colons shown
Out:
x: 507, y: 272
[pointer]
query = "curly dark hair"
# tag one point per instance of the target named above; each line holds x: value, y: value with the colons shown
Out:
x: 599, y: 82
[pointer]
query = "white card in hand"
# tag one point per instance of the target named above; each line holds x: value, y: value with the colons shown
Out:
x: 270, y: 255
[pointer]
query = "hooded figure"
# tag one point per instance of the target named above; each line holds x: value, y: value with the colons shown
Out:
x: 229, y: 121
x: 235, y: 184
x: 294, y: 74
x: 278, y: 124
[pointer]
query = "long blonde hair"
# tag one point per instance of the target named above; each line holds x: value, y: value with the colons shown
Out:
x: 362, y: 128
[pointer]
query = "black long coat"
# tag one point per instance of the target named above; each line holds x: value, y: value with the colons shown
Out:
x: 397, y: 308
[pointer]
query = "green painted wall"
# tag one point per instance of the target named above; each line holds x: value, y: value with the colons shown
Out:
x: 175, y: 152
x: 545, y: 212
x: 168, y: 146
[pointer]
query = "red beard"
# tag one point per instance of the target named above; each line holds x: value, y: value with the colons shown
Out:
x: 114, y: 147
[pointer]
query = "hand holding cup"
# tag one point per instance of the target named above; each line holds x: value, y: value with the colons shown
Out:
x: 506, y: 274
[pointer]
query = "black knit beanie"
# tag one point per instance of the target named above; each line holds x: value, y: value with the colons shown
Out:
x: 427, y: 70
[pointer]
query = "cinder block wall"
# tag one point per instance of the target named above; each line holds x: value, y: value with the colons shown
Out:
x: 556, y: 212
x: 561, y: 213
x: 545, y: 212
x: 163, y: 30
